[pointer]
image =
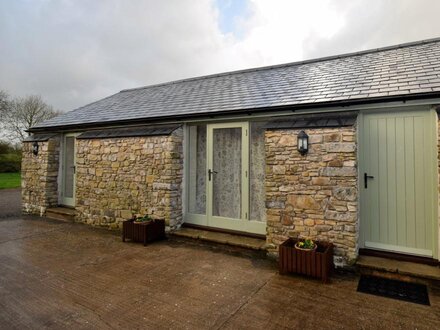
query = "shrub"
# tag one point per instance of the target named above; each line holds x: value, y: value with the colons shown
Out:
x: 10, y: 163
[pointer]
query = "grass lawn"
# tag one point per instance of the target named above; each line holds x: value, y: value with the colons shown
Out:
x: 10, y: 180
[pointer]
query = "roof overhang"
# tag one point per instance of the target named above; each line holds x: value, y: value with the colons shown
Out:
x: 129, y: 132
x: 39, y: 137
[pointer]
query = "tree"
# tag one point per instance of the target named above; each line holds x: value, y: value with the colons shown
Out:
x: 20, y: 114
x: 4, y: 101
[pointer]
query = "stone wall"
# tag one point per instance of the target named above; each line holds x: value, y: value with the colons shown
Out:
x: 117, y: 177
x: 39, y: 175
x: 315, y: 195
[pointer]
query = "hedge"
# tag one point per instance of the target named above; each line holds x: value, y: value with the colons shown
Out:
x: 10, y: 163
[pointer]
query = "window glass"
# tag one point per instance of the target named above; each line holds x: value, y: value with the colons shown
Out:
x: 257, y: 161
x: 197, y: 169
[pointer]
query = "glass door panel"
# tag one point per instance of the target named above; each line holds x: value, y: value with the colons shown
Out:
x: 226, y: 172
x: 197, y: 169
x: 68, y: 191
x: 257, y: 167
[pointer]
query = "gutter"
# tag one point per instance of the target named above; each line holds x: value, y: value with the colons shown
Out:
x: 287, y: 108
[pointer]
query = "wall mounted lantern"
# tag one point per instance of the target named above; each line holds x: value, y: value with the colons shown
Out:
x: 303, y: 143
x: 35, y: 148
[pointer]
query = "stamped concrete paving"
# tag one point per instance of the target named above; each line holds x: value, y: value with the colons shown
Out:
x: 60, y: 275
x: 10, y: 203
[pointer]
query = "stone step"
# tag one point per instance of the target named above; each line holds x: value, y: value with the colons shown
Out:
x: 400, y: 270
x: 222, y: 238
x: 61, y: 213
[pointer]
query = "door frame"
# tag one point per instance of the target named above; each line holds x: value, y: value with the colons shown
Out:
x: 433, y: 147
x: 244, y: 224
x: 67, y: 201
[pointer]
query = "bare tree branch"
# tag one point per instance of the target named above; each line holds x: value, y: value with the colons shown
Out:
x: 20, y: 114
x: 4, y: 100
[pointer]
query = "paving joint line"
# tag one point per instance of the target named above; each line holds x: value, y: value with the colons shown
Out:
x: 245, y: 303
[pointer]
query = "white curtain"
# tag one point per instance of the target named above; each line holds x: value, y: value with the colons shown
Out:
x: 227, y: 180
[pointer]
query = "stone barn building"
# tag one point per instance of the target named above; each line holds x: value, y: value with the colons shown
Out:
x: 342, y: 148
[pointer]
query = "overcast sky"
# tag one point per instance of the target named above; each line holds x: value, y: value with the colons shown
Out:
x: 78, y: 51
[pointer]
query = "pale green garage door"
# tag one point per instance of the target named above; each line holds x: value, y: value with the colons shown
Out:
x: 398, y: 181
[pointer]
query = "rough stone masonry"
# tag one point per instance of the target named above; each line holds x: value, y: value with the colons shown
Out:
x: 315, y: 195
x: 119, y: 177
x: 39, y: 175
x: 115, y: 178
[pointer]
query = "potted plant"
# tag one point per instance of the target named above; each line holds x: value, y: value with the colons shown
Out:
x: 306, y: 245
x: 306, y: 257
x: 143, y: 229
x: 145, y: 219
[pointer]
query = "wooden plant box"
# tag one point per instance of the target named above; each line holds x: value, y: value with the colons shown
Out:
x: 317, y: 264
x: 143, y: 232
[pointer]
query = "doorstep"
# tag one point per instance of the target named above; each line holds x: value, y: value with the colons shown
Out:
x: 402, y: 270
x: 222, y: 238
x: 61, y: 213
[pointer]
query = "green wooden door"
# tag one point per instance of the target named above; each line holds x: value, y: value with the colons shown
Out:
x: 397, y: 181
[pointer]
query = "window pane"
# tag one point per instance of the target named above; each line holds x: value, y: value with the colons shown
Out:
x: 197, y: 169
x: 257, y: 171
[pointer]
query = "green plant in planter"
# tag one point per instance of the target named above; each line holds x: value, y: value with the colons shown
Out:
x: 145, y: 218
x: 306, y: 244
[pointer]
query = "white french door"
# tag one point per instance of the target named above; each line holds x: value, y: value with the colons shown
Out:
x: 218, y: 178
x: 228, y: 161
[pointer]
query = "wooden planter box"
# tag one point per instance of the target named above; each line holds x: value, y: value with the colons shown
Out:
x: 317, y: 264
x: 143, y: 232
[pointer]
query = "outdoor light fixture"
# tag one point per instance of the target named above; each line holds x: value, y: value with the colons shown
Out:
x: 303, y: 143
x: 35, y: 148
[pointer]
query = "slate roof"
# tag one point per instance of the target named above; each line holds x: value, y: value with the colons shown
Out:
x: 398, y: 71
x: 39, y: 137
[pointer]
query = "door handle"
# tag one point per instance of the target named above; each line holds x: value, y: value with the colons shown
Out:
x: 210, y: 173
x: 366, y: 177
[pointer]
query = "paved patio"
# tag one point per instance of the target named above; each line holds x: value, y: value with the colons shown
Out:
x: 60, y: 275
x: 10, y: 203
